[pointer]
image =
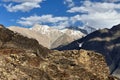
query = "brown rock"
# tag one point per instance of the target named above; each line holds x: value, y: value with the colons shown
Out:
x: 22, y: 58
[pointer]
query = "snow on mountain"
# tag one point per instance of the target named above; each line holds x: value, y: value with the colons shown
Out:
x: 50, y: 32
x: 41, y: 38
x: 71, y: 32
x: 43, y: 28
x: 47, y: 36
x: 75, y: 34
x: 55, y: 33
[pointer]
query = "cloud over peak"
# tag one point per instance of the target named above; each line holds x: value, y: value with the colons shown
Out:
x: 35, y: 19
x: 58, y: 22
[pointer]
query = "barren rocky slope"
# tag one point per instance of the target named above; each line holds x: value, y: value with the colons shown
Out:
x: 17, y: 64
x: 22, y: 58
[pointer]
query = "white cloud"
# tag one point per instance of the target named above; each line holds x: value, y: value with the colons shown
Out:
x: 75, y: 19
x: 44, y: 19
x: 98, y: 14
x: 23, y: 5
x: 91, y: 7
x: 111, y: 0
x: 70, y: 3
x: 101, y: 20
x: 58, y: 22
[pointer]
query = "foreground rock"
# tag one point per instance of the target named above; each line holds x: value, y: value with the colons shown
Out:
x: 78, y: 65
x: 17, y: 64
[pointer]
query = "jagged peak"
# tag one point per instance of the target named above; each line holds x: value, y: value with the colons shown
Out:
x: 116, y: 27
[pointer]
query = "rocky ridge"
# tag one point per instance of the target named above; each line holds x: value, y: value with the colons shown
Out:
x: 18, y: 64
x: 19, y: 60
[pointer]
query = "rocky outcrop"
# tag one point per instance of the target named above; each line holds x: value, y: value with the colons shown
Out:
x: 18, y: 64
x: 82, y: 65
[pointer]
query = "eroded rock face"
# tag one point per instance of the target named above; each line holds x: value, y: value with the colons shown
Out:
x: 17, y: 64
x: 81, y: 65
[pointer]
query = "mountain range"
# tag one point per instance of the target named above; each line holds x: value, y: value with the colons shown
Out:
x: 51, y: 37
x: 104, y: 41
x: 23, y: 58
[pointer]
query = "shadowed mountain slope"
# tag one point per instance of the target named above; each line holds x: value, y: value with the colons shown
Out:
x: 104, y: 41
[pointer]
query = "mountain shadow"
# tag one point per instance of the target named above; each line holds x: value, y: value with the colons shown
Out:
x: 105, y: 41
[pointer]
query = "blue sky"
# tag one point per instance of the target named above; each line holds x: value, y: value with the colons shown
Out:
x: 60, y: 13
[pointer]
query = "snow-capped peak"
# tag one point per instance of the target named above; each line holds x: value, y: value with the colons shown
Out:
x: 41, y: 28
x: 71, y: 32
x: 49, y: 36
